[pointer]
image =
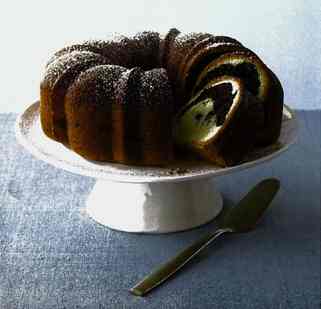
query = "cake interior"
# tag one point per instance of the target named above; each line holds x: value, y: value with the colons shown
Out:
x: 202, y: 118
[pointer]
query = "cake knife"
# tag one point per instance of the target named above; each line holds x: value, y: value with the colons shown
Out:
x: 241, y: 218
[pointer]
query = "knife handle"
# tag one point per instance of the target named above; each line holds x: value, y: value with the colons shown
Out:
x: 169, y: 268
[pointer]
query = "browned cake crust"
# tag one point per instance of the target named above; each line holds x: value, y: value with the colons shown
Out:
x: 166, y: 45
x: 121, y: 115
x: 143, y: 128
x: 116, y: 100
x: 180, y: 46
x: 60, y: 74
x: 88, y: 105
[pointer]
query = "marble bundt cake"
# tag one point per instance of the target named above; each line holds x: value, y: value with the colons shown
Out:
x: 135, y: 100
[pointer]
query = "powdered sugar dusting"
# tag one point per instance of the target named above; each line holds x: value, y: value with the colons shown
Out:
x: 67, y: 62
x: 98, y: 83
x: 187, y: 41
x: 155, y: 88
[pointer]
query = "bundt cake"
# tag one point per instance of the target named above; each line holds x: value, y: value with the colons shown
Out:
x: 136, y: 100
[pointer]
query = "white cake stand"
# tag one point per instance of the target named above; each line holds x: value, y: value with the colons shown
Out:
x: 146, y: 199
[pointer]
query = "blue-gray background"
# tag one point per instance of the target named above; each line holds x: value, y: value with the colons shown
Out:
x: 286, y: 34
x: 53, y: 256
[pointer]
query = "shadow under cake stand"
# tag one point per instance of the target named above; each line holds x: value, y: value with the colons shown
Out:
x: 146, y: 199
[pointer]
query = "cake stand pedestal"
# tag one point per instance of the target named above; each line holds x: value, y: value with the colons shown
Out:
x: 154, y: 207
x: 147, y: 199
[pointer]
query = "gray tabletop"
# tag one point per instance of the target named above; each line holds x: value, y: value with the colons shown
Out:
x: 52, y: 255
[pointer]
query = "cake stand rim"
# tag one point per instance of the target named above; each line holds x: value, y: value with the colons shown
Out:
x: 208, y: 171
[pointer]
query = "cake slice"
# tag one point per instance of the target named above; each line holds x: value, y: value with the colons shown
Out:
x: 221, y: 122
x: 258, y: 80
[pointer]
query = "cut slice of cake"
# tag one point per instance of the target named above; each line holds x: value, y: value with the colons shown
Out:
x: 221, y: 121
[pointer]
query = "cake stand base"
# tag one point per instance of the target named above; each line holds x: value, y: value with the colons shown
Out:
x: 154, y: 207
